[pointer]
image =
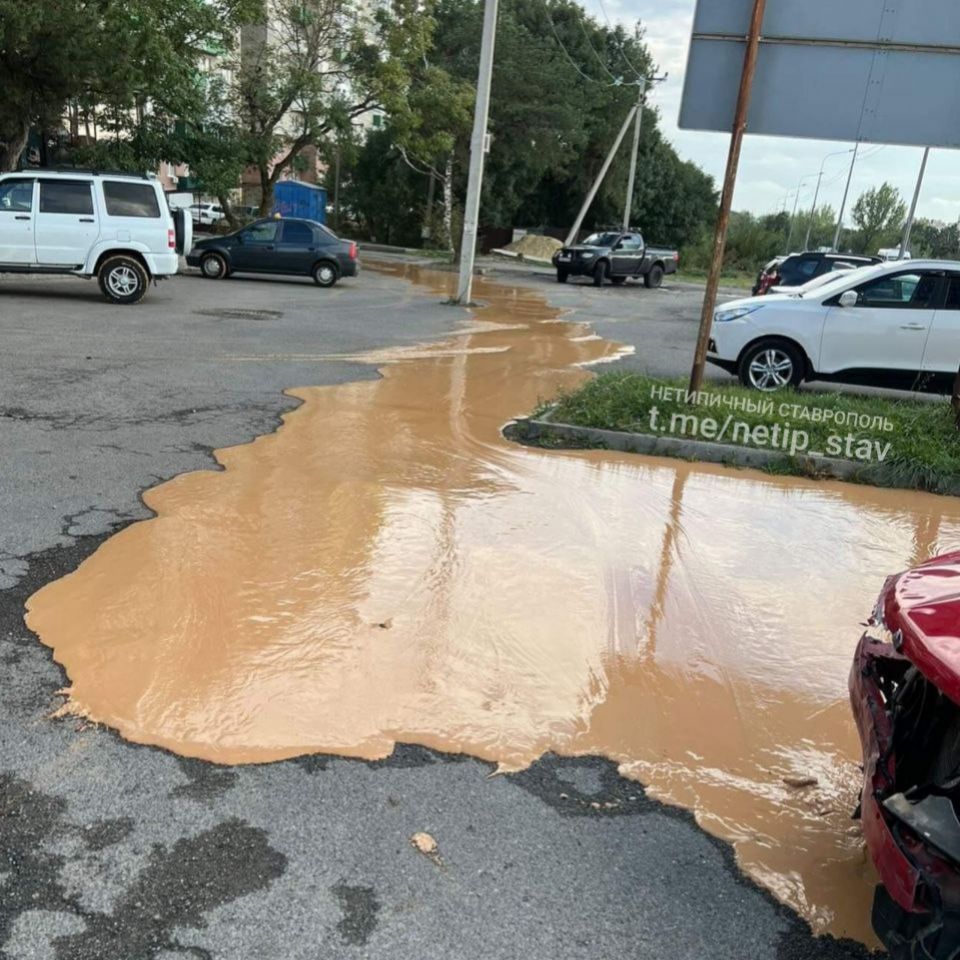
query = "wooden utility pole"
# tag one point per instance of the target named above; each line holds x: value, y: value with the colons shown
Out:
x: 726, y: 197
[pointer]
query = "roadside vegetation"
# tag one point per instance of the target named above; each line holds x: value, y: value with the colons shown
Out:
x: 921, y: 450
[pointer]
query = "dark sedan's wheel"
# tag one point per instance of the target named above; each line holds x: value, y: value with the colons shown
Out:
x: 214, y: 267
x: 562, y: 276
x: 618, y: 280
x: 770, y: 365
x: 123, y: 279
x: 600, y: 273
x: 325, y: 274
x: 654, y: 277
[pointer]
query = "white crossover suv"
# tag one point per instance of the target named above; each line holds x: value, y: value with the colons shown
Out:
x: 113, y: 226
x: 893, y: 324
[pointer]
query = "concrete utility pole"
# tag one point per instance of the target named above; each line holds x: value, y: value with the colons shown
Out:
x: 637, y: 122
x: 843, y: 203
x: 726, y: 198
x: 471, y: 213
x: 908, y: 229
x: 575, y: 229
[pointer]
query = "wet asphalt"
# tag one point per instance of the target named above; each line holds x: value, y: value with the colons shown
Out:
x: 112, y: 850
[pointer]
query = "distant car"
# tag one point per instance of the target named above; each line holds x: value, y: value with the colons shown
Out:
x: 905, y: 694
x: 798, y: 268
x: 891, y: 324
x: 615, y: 255
x: 893, y: 253
x: 206, y: 214
x: 279, y: 246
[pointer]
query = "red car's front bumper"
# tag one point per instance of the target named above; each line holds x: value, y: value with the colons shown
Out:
x: 917, y: 911
x: 897, y: 872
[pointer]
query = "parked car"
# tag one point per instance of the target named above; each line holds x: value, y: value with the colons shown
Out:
x: 616, y: 256
x: 116, y: 227
x: 905, y: 694
x: 290, y: 246
x: 891, y: 324
x: 815, y: 283
x: 798, y: 268
x: 206, y: 214
x: 767, y: 276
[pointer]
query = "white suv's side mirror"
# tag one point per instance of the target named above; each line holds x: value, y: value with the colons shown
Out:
x: 849, y: 298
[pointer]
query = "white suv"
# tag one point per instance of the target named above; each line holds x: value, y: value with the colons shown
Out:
x: 894, y: 324
x: 115, y: 227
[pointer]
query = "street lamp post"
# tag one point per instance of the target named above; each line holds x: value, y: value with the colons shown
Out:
x: 816, y: 195
x: 793, y: 215
x: 843, y: 204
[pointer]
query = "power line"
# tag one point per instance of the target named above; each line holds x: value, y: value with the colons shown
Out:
x: 616, y: 40
x: 573, y: 63
x: 583, y: 27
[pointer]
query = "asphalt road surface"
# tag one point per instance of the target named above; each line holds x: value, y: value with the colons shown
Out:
x: 109, y: 850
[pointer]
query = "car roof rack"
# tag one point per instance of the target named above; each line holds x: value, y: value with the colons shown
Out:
x: 92, y: 171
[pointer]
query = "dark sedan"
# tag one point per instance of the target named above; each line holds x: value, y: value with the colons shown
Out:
x: 297, y: 247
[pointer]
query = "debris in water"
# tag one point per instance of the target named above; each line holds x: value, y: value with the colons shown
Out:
x: 798, y: 783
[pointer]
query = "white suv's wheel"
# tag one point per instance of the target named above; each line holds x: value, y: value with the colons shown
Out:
x: 771, y: 365
x: 123, y: 279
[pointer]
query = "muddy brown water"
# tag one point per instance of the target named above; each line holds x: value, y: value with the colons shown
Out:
x: 387, y: 568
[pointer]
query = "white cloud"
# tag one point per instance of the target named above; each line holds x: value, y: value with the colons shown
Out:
x: 770, y: 167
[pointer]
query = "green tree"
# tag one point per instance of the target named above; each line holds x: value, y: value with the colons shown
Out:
x: 108, y: 63
x: 879, y: 215
x: 426, y: 129
x: 939, y: 241
x: 314, y: 67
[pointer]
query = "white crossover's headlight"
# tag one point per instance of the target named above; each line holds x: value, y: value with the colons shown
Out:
x: 722, y: 316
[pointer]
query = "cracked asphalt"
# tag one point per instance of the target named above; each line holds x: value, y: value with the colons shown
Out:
x: 111, y: 850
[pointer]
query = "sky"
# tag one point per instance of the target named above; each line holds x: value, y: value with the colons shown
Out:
x: 773, y: 167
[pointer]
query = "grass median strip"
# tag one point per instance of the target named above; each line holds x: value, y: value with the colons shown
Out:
x: 907, y: 443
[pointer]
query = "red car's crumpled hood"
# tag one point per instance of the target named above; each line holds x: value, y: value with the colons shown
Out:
x: 924, y: 605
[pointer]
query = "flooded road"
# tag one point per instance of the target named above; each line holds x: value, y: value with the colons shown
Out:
x: 387, y: 568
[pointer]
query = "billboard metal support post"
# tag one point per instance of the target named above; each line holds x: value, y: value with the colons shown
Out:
x: 481, y: 112
x: 726, y: 197
x: 638, y: 120
x: 908, y: 228
x: 575, y: 229
x: 843, y: 203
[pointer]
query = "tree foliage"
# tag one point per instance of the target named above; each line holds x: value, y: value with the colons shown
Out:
x: 105, y: 61
x: 879, y: 215
x: 561, y: 87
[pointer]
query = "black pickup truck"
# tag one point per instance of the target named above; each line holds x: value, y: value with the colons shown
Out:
x: 615, y: 255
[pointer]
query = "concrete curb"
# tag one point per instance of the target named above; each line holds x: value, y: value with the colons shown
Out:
x: 534, y: 432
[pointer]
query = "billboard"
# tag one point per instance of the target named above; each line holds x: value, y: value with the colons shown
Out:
x: 875, y: 71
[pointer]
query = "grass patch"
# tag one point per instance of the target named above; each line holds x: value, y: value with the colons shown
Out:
x: 736, y: 279
x: 921, y: 451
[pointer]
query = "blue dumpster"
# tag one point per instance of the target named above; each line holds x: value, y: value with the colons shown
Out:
x: 294, y: 199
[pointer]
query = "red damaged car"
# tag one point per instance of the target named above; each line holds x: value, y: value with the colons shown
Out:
x: 905, y: 692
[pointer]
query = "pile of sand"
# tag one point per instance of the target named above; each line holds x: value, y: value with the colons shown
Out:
x: 533, y: 245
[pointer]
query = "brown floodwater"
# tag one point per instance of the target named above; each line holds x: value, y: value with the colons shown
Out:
x: 387, y: 568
